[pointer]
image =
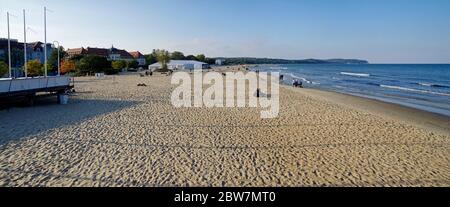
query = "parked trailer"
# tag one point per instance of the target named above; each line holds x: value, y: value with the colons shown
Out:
x: 29, y: 88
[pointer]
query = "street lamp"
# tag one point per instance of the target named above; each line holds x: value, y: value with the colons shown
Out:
x: 59, y: 69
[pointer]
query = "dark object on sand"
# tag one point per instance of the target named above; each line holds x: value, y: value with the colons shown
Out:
x: 142, y: 85
x: 224, y: 74
x: 281, y: 77
x: 258, y: 91
x: 148, y: 73
x: 141, y: 75
x: 297, y: 84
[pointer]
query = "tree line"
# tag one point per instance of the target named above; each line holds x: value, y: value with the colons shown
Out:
x: 176, y: 55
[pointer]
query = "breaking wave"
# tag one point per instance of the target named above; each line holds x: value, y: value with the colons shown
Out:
x: 414, y: 90
x: 300, y: 78
x: 356, y: 74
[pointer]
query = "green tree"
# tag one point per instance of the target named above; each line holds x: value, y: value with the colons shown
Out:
x: 93, y: 64
x: 163, y: 57
x: 3, y: 68
x: 201, y: 58
x: 35, y: 68
x: 77, y: 58
x: 151, y: 58
x: 132, y: 64
x: 210, y: 61
x: 177, y: 56
x: 119, y: 64
x: 53, y: 59
x: 191, y: 57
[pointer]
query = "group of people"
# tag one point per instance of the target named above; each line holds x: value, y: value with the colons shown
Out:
x: 297, y: 84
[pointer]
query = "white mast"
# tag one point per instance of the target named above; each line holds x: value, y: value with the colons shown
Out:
x: 9, y: 46
x: 45, y: 40
x: 25, y: 45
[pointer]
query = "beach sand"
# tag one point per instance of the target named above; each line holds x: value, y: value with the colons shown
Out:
x: 113, y: 133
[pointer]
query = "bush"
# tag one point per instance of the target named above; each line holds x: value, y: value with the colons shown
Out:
x: 35, y: 68
x: 119, y: 65
x: 3, y: 68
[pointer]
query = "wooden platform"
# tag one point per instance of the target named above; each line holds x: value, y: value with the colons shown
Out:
x: 30, y: 86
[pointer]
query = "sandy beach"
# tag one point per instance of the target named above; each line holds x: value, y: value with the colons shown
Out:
x: 113, y: 133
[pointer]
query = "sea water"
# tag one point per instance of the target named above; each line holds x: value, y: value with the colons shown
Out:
x: 425, y: 87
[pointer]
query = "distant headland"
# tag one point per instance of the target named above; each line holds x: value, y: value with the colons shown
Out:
x: 249, y: 60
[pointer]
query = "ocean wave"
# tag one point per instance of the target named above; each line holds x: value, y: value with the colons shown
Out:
x: 414, y: 90
x: 300, y: 78
x: 356, y: 74
x: 433, y: 85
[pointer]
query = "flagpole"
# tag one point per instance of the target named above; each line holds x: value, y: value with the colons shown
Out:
x: 45, y: 40
x: 25, y: 45
x: 9, y: 46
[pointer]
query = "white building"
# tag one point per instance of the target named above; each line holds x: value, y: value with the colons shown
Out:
x: 220, y: 61
x: 181, y: 65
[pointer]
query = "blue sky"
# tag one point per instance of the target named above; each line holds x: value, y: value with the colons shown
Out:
x: 381, y: 31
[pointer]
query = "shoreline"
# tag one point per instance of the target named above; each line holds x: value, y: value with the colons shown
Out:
x: 375, y: 88
x: 427, y: 120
